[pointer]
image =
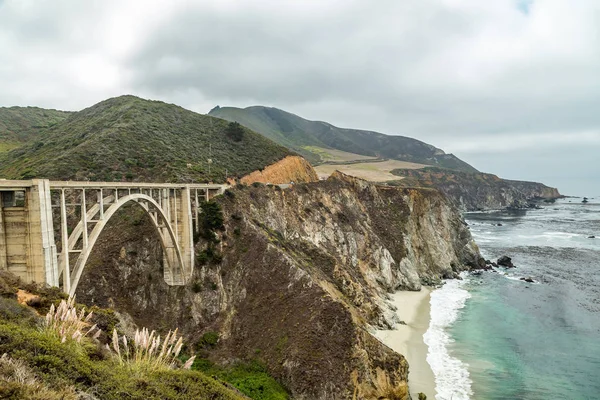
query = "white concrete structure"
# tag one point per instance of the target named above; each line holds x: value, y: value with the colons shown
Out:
x: 31, y: 212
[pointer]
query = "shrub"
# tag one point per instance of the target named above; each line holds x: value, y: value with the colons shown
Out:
x: 202, y: 258
x: 197, y: 287
x: 250, y: 378
x: 234, y: 131
x: 147, y: 352
x: 209, y: 339
x: 67, y: 324
x: 212, y: 215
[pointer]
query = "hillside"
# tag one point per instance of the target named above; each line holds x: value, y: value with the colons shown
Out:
x: 128, y: 138
x: 306, y: 137
x: 19, y: 125
x: 37, y: 363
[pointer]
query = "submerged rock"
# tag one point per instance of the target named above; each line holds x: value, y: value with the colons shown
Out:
x: 506, y: 261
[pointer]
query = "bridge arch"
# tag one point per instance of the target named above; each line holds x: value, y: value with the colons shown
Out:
x: 175, y: 272
x: 27, y: 233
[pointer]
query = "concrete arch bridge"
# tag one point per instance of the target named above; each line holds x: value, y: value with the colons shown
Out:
x: 48, y: 229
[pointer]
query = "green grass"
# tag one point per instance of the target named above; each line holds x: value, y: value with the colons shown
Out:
x: 128, y: 138
x: 8, y: 145
x: 249, y: 378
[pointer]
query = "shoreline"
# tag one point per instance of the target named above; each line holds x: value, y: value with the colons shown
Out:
x: 415, y: 310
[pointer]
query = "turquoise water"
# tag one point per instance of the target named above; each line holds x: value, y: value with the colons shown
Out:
x: 532, y: 341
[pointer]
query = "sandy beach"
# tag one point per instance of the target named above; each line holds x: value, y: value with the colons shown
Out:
x: 414, y: 309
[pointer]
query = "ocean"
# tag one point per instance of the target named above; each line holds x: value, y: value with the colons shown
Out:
x: 494, y: 336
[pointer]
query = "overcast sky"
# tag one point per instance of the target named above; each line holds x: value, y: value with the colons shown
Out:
x: 511, y: 86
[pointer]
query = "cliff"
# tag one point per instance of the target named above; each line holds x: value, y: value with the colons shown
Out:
x: 477, y: 191
x: 297, y: 280
x: 290, y: 169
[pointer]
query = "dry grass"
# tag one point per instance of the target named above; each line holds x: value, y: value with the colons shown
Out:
x: 19, y: 381
x: 148, y: 352
x: 67, y: 323
x: 370, y: 171
x: 336, y: 155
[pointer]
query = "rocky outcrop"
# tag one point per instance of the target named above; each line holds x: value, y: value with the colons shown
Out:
x: 478, y: 191
x: 304, y: 274
x: 291, y: 169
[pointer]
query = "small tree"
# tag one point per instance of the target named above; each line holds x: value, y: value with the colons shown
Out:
x: 235, y: 131
x: 211, y: 217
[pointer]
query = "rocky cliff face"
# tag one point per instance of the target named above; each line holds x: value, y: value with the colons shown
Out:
x: 305, y: 274
x: 290, y: 169
x: 477, y: 191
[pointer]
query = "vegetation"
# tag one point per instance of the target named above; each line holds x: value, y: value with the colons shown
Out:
x: 147, y: 352
x: 249, y: 378
x: 311, y: 138
x: 37, y: 364
x: 128, y: 138
x: 19, y: 125
x: 235, y: 131
x: 67, y: 324
x: 210, y: 220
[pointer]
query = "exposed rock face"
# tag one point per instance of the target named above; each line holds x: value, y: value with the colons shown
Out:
x: 478, y: 191
x: 305, y: 273
x: 290, y: 169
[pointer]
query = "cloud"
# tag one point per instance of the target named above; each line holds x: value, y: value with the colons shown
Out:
x: 464, y: 75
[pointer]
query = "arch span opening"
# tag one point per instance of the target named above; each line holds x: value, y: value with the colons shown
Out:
x: 174, y: 271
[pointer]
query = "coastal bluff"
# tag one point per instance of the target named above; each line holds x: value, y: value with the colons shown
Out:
x: 300, y: 279
x: 477, y: 191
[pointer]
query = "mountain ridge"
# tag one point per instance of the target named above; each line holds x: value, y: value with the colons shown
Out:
x: 297, y: 133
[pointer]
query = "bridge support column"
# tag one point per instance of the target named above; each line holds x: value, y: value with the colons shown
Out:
x: 3, y: 249
x: 41, y: 261
x: 186, y: 234
x: 170, y: 253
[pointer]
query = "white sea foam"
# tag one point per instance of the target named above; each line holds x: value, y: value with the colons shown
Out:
x: 451, y: 375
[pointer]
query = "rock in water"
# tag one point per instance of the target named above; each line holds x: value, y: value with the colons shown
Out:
x: 591, y: 237
x: 506, y: 261
x: 528, y: 279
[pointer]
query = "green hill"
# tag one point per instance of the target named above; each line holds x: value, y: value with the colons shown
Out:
x: 19, y: 125
x: 303, y: 136
x: 128, y: 138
